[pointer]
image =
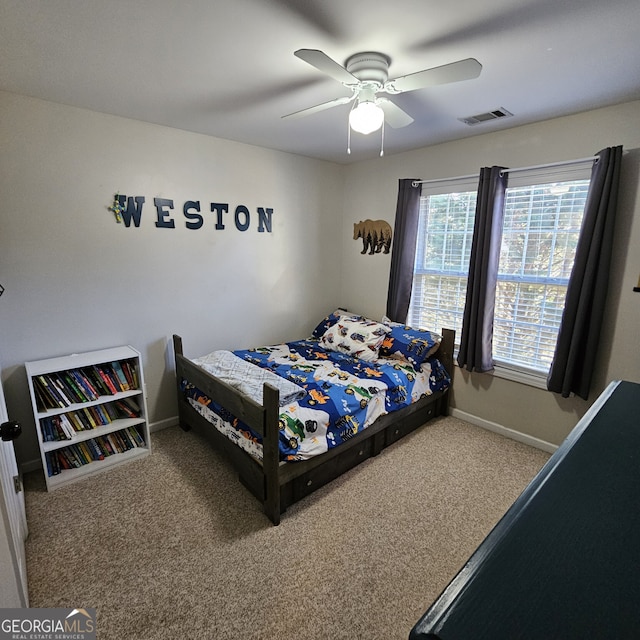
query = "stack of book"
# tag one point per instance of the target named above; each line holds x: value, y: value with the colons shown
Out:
x: 74, y: 386
x: 81, y: 453
x: 64, y: 426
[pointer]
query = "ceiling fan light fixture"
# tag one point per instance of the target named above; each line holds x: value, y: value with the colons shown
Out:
x: 366, y: 117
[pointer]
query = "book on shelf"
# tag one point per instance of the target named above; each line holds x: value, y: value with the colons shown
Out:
x: 65, y: 424
x: 87, y: 453
x: 136, y: 435
x: 74, y: 418
x: 129, y: 372
x: 119, y: 372
x: 69, y: 388
x: 77, y: 391
x: 107, y: 381
x: 96, y: 381
x: 61, y: 390
x: 112, y: 411
x: 56, y: 428
x: 72, y: 388
x: 50, y: 398
x: 85, y: 384
x: 116, y: 442
x: 96, y: 417
x: 50, y: 385
x: 47, y: 429
x: 97, y: 452
x: 68, y: 458
x: 41, y: 400
x: 128, y: 407
x: 53, y: 463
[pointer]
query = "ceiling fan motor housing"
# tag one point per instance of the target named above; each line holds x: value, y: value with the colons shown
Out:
x: 369, y: 66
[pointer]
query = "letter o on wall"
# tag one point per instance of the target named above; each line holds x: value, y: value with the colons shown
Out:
x: 242, y: 213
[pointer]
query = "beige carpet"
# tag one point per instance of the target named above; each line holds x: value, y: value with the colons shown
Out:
x: 174, y: 547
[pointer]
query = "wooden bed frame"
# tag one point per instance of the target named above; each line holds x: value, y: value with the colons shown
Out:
x: 280, y: 484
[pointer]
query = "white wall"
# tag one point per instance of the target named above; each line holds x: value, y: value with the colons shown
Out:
x: 76, y: 280
x: 372, y: 191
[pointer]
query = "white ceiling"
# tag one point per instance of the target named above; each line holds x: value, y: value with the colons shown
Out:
x: 226, y: 67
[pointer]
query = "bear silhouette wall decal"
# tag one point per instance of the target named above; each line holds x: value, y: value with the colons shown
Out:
x: 375, y: 234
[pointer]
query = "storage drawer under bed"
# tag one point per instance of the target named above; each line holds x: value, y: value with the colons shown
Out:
x: 401, y: 428
x: 321, y: 475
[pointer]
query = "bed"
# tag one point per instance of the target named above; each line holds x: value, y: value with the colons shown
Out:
x: 292, y: 417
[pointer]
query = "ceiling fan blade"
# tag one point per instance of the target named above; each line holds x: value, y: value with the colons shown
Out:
x: 317, y: 16
x: 454, y: 72
x: 324, y: 63
x: 320, y: 107
x: 394, y: 115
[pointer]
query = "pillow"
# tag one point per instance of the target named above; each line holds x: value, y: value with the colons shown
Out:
x: 414, y: 345
x: 388, y: 321
x: 356, y: 336
x: 327, y: 322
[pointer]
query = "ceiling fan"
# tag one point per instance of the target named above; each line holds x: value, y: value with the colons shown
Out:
x: 366, y: 74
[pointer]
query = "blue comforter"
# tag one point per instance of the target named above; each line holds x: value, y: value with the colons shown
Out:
x: 343, y: 395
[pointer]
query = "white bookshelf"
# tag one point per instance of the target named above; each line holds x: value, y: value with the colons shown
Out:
x: 102, y: 429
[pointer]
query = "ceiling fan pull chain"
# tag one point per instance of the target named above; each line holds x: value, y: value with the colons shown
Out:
x: 353, y: 105
x: 382, y: 140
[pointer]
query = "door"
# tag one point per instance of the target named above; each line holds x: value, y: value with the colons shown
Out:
x: 13, y: 518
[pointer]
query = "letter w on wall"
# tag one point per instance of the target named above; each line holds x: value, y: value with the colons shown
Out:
x: 133, y: 210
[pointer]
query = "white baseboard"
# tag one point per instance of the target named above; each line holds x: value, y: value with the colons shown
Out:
x: 163, y: 424
x: 504, y: 431
x: 34, y: 465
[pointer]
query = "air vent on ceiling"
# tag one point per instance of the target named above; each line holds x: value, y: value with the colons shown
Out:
x: 485, y: 117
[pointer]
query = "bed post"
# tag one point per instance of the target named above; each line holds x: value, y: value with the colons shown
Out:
x: 271, y: 453
x: 177, y: 345
x: 177, y: 352
x: 445, y: 354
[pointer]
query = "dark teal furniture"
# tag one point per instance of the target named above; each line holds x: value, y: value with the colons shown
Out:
x: 564, y: 561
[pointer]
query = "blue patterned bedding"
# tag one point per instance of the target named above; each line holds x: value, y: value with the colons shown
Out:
x: 343, y: 395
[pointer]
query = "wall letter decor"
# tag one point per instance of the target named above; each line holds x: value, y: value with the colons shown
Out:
x: 128, y: 209
x: 264, y: 219
x: 132, y: 211
x: 219, y: 208
x: 242, y: 213
x: 162, y: 214
x: 194, y: 220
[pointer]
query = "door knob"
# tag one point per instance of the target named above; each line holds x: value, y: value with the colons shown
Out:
x: 10, y: 430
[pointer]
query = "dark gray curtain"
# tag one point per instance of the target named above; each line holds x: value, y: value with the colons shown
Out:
x: 477, y: 324
x: 579, y: 334
x: 404, y: 249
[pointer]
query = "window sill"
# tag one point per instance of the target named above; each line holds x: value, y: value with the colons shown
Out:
x: 530, y: 378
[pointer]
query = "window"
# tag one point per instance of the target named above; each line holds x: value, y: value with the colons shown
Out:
x: 539, y: 239
x: 443, y: 249
x: 542, y: 219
